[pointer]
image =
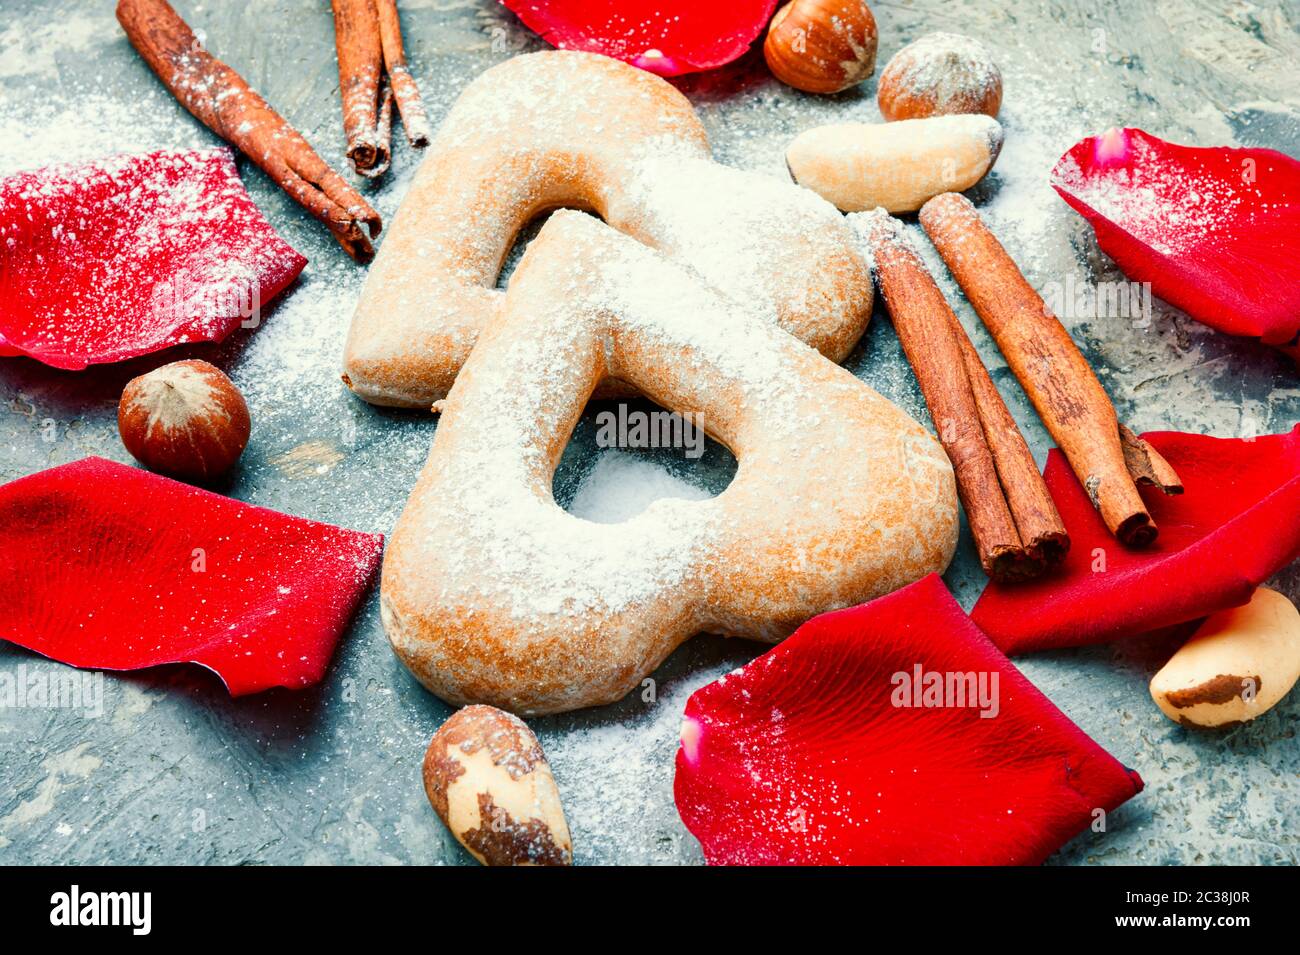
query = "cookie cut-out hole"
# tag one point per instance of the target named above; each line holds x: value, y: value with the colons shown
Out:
x: 620, y: 485
x: 624, y: 455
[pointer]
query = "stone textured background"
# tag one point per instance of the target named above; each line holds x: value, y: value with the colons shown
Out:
x: 176, y: 771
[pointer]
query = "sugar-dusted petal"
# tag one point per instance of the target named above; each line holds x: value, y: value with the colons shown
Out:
x: 668, y: 37
x: 1212, y: 229
x: 111, y: 259
x: 112, y: 568
x: 808, y: 755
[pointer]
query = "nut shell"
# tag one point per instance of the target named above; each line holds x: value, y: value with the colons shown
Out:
x: 897, y: 166
x: 488, y: 780
x: 941, y: 74
x: 1239, y: 664
x: 186, y: 419
x: 822, y: 46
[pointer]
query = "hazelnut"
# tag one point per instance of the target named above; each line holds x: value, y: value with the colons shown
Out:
x: 186, y: 419
x: 489, y: 782
x: 821, y: 46
x: 940, y: 74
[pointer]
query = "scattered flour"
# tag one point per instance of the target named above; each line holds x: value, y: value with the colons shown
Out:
x: 616, y: 773
x: 28, y: 49
x: 622, y: 485
x: 86, y: 123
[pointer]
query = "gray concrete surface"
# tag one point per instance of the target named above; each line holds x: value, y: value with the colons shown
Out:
x: 173, y: 770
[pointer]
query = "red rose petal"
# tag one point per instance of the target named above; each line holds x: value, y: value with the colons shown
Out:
x: 120, y: 257
x: 1236, y: 525
x: 1212, y: 230
x: 109, y: 567
x: 801, y: 757
x: 668, y: 37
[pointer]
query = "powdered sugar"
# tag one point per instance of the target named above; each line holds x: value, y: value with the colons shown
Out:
x: 721, y: 222
x: 865, y: 224
x: 616, y: 772
x: 621, y: 486
x: 1017, y: 199
x: 1174, y: 210
x: 38, y: 131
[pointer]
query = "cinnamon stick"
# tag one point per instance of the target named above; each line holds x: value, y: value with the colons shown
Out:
x: 1041, y: 529
x: 222, y: 101
x: 1015, y: 525
x: 368, y: 38
x: 414, y: 119
x: 1052, y: 370
x: 361, y: 66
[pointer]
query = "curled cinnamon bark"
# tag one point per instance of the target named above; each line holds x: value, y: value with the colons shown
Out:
x: 368, y: 37
x: 1052, y: 370
x: 407, y: 94
x: 1042, y: 532
x: 221, y: 99
x: 1017, y: 530
x: 361, y: 56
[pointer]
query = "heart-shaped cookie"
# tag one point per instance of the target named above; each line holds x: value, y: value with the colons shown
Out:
x: 494, y: 594
x: 566, y: 129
